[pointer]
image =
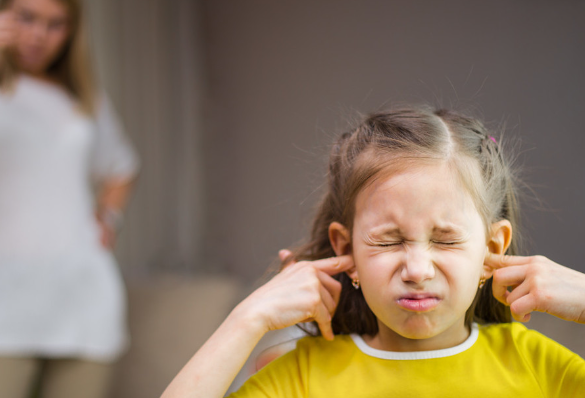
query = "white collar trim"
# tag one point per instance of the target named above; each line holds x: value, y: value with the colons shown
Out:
x: 446, y: 352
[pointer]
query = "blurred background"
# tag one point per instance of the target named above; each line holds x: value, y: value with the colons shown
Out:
x: 233, y: 104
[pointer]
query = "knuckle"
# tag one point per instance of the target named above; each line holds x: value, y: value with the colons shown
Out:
x: 314, y: 300
x: 308, y: 314
x: 314, y: 284
x: 537, y: 283
x: 541, y: 296
x: 537, y: 293
x: 303, y: 269
x: 307, y: 267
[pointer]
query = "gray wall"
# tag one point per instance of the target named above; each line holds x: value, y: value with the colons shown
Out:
x: 284, y: 77
x: 149, y: 56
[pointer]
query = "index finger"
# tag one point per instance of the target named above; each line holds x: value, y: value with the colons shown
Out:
x: 334, y: 265
x: 502, y: 260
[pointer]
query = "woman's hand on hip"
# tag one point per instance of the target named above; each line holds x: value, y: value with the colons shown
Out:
x: 107, y: 234
x: 538, y: 284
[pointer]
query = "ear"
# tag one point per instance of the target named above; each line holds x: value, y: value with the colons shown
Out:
x: 340, y: 239
x: 499, y: 241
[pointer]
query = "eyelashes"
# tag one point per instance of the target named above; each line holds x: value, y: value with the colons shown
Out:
x: 387, y: 244
x: 433, y: 242
x: 446, y: 243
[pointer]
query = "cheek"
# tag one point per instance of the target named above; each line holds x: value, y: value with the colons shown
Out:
x: 21, y: 35
x: 461, y: 270
x: 56, y: 41
x: 376, y: 267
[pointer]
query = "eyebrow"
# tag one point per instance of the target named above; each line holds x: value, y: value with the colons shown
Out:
x: 21, y: 8
x: 384, y: 232
x: 450, y: 230
x: 24, y: 9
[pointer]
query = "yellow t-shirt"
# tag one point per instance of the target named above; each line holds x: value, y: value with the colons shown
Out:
x: 504, y: 360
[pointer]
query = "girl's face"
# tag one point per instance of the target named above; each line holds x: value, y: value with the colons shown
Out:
x: 41, y: 31
x: 418, y: 245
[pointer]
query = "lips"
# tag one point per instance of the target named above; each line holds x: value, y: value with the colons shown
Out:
x: 419, y: 302
x: 32, y: 56
x: 33, y: 53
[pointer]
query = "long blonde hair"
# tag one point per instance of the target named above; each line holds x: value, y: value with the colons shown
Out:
x: 71, y: 68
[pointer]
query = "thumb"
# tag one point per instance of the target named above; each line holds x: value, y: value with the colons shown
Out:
x: 286, y: 257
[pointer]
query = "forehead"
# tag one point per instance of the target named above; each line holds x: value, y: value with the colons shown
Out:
x: 420, y: 197
x: 45, y: 8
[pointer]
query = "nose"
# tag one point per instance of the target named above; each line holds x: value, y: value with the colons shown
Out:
x: 39, y: 31
x: 418, y: 265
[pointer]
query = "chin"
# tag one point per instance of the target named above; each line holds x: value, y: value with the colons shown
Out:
x: 34, y: 67
x: 31, y: 69
x: 417, y: 328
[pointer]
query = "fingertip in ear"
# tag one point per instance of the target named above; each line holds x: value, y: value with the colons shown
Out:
x: 340, y: 239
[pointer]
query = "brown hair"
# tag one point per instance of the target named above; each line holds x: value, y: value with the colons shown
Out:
x: 387, y: 141
x: 71, y: 68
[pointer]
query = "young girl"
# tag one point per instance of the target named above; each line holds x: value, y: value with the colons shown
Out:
x: 406, y: 277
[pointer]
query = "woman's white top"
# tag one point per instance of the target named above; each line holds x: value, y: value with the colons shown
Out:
x: 61, y: 293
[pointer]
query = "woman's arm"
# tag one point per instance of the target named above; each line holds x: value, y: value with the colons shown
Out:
x: 302, y: 292
x: 112, y: 198
x: 538, y: 284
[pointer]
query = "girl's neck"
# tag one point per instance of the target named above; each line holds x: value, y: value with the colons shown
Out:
x: 388, y: 340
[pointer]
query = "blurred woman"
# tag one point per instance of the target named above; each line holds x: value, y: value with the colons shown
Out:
x: 66, y: 170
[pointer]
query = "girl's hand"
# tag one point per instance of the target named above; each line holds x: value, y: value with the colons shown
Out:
x: 7, y: 29
x: 538, y: 284
x: 301, y: 292
x: 304, y: 291
x: 286, y: 258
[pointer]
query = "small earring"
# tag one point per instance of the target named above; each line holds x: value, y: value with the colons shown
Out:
x: 356, y: 284
x: 481, y: 281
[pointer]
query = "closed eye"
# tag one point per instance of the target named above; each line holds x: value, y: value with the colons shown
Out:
x: 446, y: 243
x: 25, y: 16
x: 388, y: 244
x: 56, y: 25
